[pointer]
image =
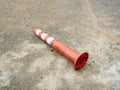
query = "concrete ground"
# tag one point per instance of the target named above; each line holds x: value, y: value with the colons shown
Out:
x: 27, y: 63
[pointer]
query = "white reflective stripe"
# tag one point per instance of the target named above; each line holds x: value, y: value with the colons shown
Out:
x: 38, y: 32
x: 43, y: 36
x: 49, y: 40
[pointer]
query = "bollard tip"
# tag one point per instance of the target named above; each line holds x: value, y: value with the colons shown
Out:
x: 35, y: 29
x: 81, y: 61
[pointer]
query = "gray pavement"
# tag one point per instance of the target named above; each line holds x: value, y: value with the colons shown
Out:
x: 27, y: 63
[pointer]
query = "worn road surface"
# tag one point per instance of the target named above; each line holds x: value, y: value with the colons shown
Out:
x: 27, y: 63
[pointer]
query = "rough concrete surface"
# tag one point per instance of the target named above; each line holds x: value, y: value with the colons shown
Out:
x: 27, y: 63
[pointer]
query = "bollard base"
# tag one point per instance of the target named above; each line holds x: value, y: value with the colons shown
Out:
x: 81, y: 61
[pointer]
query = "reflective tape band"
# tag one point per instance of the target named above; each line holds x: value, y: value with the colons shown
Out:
x: 38, y: 32
x: 43, y: 36
x: 49, y: 40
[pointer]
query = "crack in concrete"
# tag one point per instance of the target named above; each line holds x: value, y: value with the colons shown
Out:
x: 93, y: 16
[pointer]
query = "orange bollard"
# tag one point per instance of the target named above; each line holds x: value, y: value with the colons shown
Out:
x: 78, y: 59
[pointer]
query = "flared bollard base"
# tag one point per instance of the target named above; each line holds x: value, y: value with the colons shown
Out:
x: 81, y: 61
